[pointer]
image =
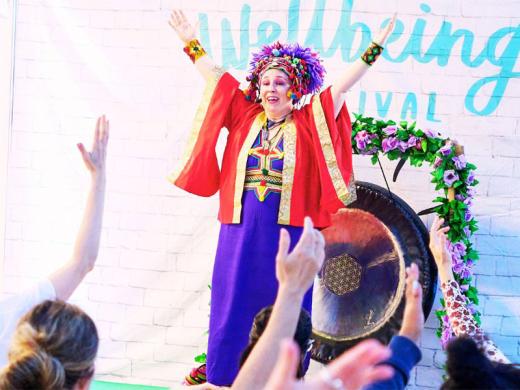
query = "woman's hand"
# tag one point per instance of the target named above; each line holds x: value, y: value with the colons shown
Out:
x: 95, y: 159
x: 383, y: 34
x: 356, y: 71
x: 439, y: 248
x: 184, y: 29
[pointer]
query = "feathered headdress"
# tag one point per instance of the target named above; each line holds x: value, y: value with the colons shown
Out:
x: 301, y: 64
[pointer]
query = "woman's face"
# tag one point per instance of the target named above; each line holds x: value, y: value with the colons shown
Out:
x: 274, y: 86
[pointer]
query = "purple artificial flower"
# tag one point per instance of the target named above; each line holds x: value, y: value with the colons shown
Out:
x: 450, y: 177
x: 456, y: 263
x: 464, y: 269
x: 412, y: 141
x: 403, y: 146
x: 459, y: 248
x: 389, y: 143
x: 390, y: 130
x: 430, y: 133
x: 464, y: 287
x: 460, y: 162
x: 446, y: 149
x: 437, y: 162
x: 467, y: 215
x: 468, y: 199
x: 471, y: 178
x: 361, y: 140
x: 467, y: 231
x: 370, y: 151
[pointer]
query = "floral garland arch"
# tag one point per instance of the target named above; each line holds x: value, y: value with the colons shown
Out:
x: 451, y: 173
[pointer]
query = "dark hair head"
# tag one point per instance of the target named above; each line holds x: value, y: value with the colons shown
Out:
x: 54, y: 346
x: 302, y: 334
x: 468, y: 368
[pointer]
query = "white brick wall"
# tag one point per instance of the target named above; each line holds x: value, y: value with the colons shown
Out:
x: 76, y: 59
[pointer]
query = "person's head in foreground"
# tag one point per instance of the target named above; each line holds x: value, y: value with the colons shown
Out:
x: 302, y: 335
x: 54, y: 347
x: 468, y: 368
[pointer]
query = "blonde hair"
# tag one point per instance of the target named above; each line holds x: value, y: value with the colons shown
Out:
x: 54, y: 346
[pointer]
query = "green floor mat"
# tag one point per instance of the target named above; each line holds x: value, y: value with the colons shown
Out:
x: 101, y: 385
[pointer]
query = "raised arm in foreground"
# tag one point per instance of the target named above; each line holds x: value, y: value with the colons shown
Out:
x: 461, y: 319
x: 295, y: 272
x: 67, y: 278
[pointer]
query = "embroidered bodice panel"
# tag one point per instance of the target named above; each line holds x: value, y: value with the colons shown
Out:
x: 264, y: 169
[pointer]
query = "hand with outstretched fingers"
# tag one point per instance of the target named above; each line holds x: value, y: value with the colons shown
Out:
x: 180, y: 24
x: 95, y: 158
x: 439, y: 248
x: 296, y: 270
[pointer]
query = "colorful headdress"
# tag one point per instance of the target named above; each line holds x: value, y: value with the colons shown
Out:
x: 301, y: 64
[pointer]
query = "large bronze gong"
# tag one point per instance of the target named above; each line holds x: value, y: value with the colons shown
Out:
x: 359, y: 292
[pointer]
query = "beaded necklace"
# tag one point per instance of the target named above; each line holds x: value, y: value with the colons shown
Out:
x: 269, y: 144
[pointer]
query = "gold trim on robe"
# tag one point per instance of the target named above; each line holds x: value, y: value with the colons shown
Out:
x: 347, y: 194
x: 289, y: 162
x: 242, y: 164
x: 196, y: 125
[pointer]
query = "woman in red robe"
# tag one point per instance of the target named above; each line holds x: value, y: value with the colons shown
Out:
x: 283, y: 160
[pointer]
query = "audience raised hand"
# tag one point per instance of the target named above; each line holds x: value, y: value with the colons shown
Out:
x: 66, y: 279
x: 62, y: 282
x: 295, y: 272
x: 405, y: 346
x: 460, y: 317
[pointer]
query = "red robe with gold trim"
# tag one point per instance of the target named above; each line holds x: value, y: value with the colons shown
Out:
x: 317, y: 173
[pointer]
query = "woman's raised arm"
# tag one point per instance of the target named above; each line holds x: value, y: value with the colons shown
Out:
x: 187, y: 33
x: 358, y: 69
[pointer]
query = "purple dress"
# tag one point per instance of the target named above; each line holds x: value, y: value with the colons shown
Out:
x: 244, y: 276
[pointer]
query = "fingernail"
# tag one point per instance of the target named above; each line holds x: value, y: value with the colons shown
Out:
x: 416, y: 286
